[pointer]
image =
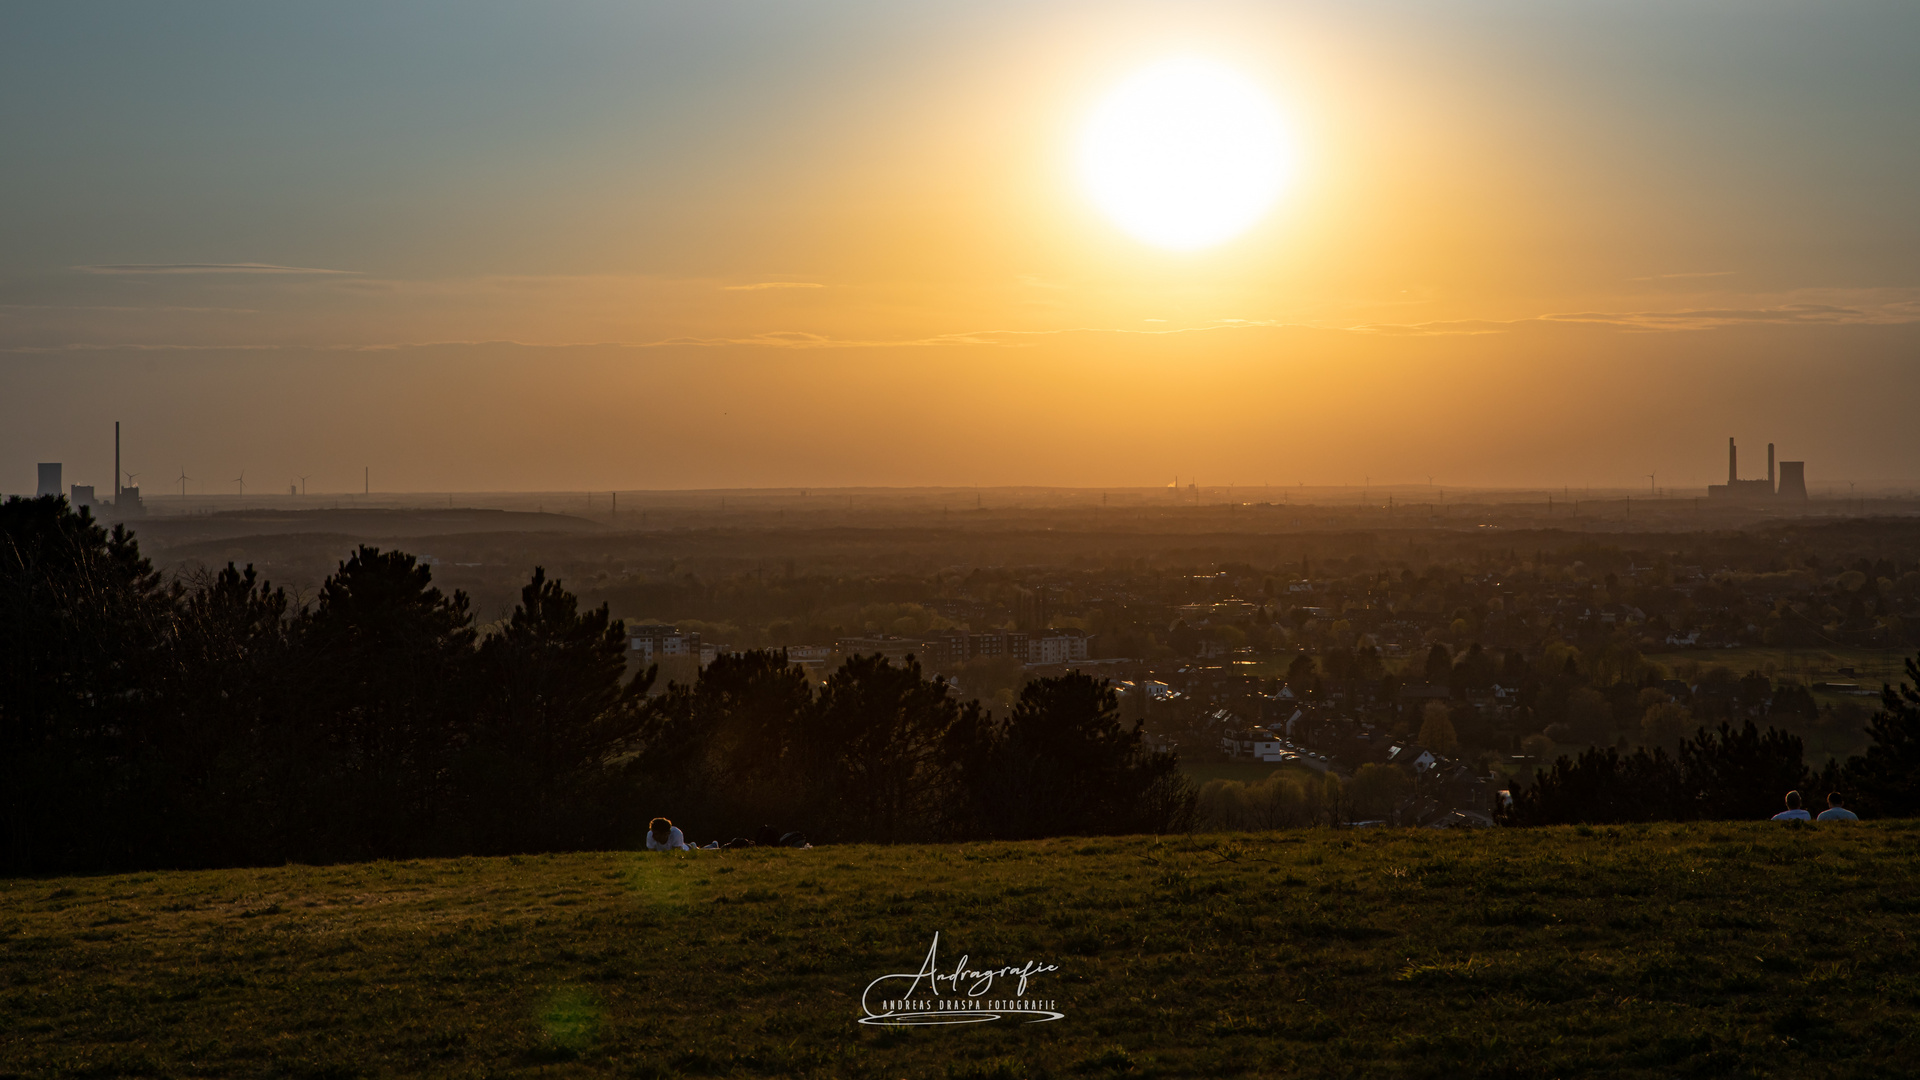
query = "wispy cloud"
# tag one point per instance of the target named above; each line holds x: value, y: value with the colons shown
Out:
x: 758, y: 285
x: 203, y: 268
x: 1708, y: 318
x: 137, y: 308
x: 1687, y: 274
x: 775, y: 339
x: 1869, y: 310
x: 1881, y: 309
x: 1437, y: 328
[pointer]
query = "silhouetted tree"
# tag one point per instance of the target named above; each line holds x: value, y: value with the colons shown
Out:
x: 1603, y: 786
x: 1300, y: 673
x: 1742, y: 774
x: 84, y: 621
x: 555, y: 708
x: 878, y: 751
x: 1885, y: 781
x: 1065, y: 765
x: 1366, y: 663
x: 1474, y: 671
x: 384, y: 661
x: 728, y: 751
x: 1722, y: 775
x: 223, y: 755
x: 1337, y: 661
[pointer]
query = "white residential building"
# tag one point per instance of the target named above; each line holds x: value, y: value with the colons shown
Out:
x: 650, y: 643
x: 1056, y: 647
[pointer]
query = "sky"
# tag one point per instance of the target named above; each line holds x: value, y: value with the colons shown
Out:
x: 632, y: 245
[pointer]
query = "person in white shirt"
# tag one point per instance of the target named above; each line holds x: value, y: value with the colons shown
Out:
x: 663, y: 836
x: 1837, y: 810
x: 1793, y: 811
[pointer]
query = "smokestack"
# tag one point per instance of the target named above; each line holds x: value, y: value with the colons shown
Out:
x: 116, y: 461
x: 1769, y: 466
x: 1733, y: 461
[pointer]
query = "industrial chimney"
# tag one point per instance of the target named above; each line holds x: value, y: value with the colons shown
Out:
x: 1770, y: 487
x: 1733, y: 462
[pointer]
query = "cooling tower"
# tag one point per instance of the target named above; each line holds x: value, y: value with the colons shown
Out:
x: 1793, y: 480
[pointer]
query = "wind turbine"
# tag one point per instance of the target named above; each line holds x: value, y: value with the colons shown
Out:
x: 130, y: 477
x: 242, y: 481
x: 183, y: 483
x: 303, y: 485
x: 1652, y: 491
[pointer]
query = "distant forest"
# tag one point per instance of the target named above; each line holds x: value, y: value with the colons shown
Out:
x: 211, y: 722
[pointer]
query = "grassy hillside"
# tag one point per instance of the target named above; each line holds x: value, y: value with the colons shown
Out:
x: 1708, y: 950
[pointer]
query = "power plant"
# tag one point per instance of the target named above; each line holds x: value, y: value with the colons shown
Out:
x: 126, y: 497
x: 1792, y: 484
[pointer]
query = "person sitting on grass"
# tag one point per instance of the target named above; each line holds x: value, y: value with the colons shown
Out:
x: 1837, y: 810
x: 1793, y: 811
x: 662, y: 835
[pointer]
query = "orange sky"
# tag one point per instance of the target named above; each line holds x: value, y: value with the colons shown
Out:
x: 648, y: 246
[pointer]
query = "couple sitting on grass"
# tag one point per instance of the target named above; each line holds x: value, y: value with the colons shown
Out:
x: 664, y: 835
x: 1836, y: 810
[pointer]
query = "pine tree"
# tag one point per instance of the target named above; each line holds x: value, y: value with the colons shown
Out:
x: 384, y: 664
x: 84, y: 622
x: 556, y: 706
x: 1885, y: 781
x: 1064, y: 764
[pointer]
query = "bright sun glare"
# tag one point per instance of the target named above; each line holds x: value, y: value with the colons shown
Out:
x: 1185, y: 154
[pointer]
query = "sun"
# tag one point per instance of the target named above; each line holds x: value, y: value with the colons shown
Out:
x: 1185, y: 154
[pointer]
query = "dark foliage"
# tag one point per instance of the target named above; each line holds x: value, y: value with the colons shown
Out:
x: 878, y: 747
x: 1063, y: 763
x: 84, y: 627
x: 1885, y: 781
x: 557, y: 709
x: 208, y: 723
x: 225, y: 756
x: 1729, y: 774
x: 381, y: 684
x: 1738, y: 775
x: 882, y: 753
x: 723, y: 751
x: 1718, y: 775
x: 204, y: 723
x: 1605, y: 787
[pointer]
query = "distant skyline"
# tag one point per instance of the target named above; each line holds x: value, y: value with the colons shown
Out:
x: 494, y: 247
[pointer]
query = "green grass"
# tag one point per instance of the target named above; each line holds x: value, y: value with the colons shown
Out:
x: 1245, y: 771
x: 1677, y: 950
x: 1871, y: 666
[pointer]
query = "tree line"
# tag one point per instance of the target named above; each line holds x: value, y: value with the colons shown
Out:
x: 148, y: 722
x: 1730, y: 773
